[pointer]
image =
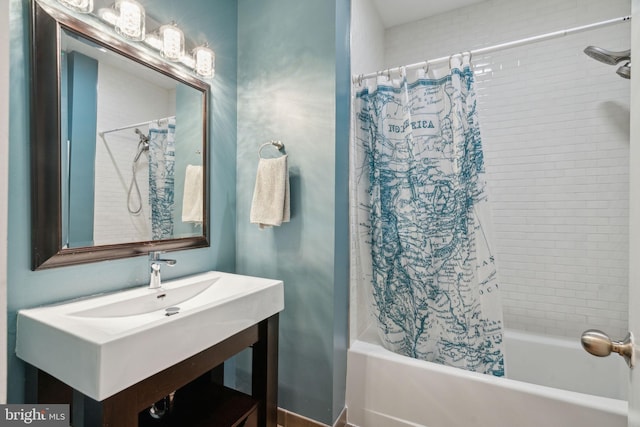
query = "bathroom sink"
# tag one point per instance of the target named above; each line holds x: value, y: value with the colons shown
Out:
x: 104, y: 344
x: 153, y: 300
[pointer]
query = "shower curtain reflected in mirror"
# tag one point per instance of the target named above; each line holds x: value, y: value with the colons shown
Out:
x: 421, y: 222
x: 161, y: 177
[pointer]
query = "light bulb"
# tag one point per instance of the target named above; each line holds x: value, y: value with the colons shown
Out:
x: 131, y: 19
x: 204, y: 61
x: 172, y: 42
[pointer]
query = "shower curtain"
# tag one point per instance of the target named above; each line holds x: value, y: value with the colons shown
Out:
x: 161, y: 177
x: 419, y: 218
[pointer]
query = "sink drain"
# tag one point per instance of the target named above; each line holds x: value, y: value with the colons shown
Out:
x: 170, y: 311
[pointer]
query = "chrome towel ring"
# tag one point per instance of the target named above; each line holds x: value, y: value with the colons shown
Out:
x: 279, y: 145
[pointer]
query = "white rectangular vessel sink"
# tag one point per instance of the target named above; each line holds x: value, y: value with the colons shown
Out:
x: 104, y: 344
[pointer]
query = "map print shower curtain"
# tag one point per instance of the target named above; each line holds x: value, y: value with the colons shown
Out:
x: 161, y: 177
x: 419, y: 209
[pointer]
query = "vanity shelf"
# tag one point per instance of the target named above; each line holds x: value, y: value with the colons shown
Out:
x: 216, y: 406
x: 207, y: 405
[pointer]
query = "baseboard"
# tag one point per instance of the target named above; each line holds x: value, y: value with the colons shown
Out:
x: 291, y: 419
x: 342, y: 419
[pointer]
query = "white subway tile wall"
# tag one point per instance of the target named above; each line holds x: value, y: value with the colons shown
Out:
x: 367, y: 49
x: 114, y: 158
x: 555, y: 128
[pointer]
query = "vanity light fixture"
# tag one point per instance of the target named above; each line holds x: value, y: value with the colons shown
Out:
x: 172, y: 42
x: 130, y: 21
x: 82, y: 6
x: 204, y: 61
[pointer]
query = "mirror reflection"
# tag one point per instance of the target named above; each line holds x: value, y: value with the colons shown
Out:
x: 132, y: 144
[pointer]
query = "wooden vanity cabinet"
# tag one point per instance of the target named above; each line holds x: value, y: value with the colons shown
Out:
x: 199, y: 401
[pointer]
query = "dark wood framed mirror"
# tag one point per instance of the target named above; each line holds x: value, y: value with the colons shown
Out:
x: 119, y: 145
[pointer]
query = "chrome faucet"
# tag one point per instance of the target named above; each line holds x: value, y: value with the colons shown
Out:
x: 154, y: 268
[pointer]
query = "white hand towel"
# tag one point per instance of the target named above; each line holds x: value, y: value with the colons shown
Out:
x: 192, y: 198
x: 270, y: 205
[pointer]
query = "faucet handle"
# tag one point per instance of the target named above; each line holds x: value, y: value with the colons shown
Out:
x: 154, y: 257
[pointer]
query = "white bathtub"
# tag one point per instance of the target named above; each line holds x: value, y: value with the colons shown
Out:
x: 388, y: 390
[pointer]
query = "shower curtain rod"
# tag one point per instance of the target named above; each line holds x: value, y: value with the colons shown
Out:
x: 134, y: 125
x: 507, y: 45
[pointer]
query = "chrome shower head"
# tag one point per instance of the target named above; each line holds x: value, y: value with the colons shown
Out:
x: 625, y: 70
x: 143, y: 138
x: 143, y: 144
x: 607, y: 56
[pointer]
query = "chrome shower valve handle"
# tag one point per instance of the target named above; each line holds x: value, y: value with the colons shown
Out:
x: 599, y: 344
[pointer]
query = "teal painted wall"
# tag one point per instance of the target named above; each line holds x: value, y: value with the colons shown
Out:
x: 341, y: 232
x: 212, y: 20
x: 292, y: 58
x: 82, y: 72
x: 188, y: 150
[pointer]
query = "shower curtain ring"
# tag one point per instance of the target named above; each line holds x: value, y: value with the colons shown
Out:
x: 451, y: 57
x: 426, y: 68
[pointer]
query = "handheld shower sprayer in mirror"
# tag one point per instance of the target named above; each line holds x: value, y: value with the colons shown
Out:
x: 612, y: 58
x: 143, y: 144
x: 134, y: 204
